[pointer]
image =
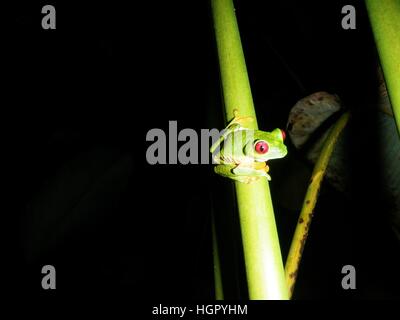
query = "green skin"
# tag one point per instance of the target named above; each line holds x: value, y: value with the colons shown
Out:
x: 237, y: 157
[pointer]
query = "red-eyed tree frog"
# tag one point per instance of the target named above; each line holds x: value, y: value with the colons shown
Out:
x: 241, y: 153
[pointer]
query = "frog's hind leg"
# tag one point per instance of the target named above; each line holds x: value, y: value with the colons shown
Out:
x: 233, y: 125
x: 237, y: 123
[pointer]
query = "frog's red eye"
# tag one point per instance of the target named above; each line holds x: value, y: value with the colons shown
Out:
x: 261, y: 147
x: 283, y: 134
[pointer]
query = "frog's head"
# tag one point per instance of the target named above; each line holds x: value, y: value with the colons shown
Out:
x: 266, y: 145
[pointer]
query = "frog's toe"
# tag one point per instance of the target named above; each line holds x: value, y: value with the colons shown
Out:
x: 247, y: 179
x: 265, y: 174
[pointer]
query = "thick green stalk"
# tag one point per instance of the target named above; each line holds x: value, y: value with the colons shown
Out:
x: 219, y: 291
x: 385, y: 21
x: 263, y: 259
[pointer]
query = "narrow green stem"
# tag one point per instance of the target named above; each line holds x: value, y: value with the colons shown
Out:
x: 385, y: 21
x: 310, y: 200
x: 263, y: 259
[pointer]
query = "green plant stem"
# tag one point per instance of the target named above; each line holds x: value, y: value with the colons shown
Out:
x: 384, y: 16
x: 306, y: 214
x: 219, y: 292
x: 263, y: 259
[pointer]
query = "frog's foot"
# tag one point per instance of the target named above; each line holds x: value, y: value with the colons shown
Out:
x: 240, y: 120
x: 263, y: 169
x: 247, y: 179
x: 228, y: 171
x: 256, y: 169
x: 261, y: 166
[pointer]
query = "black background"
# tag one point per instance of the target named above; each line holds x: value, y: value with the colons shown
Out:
x: 83, y: 97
